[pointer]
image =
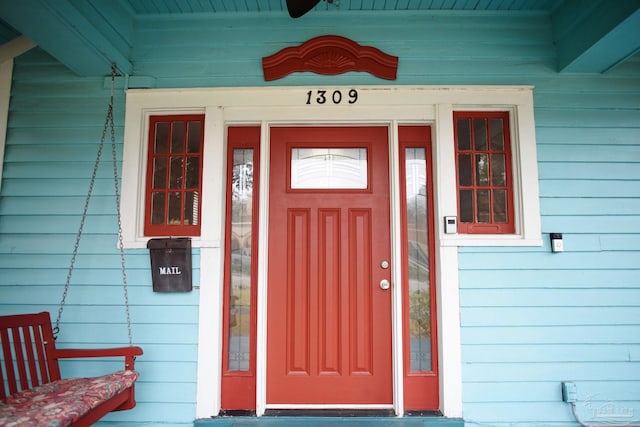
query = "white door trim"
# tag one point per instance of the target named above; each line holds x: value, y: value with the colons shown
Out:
x: 265, y: 106
x: 396, y: 249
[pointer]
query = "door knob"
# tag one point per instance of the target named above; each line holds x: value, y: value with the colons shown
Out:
x: 385, y: 284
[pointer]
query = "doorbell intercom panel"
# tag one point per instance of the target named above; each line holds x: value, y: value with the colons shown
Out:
x: 450, y: 225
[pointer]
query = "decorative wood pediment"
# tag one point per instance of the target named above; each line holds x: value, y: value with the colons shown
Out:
x: 330, y: 55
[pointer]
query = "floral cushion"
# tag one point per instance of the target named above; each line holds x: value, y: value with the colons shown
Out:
x: 62, y: 402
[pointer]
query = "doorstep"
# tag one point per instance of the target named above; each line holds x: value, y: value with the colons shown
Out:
x: 338, y: 421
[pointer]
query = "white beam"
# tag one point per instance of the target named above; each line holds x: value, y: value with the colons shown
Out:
x: 6, y: 73
x: 596, y: 37
x: 65, y: 33
x: 16, y: 47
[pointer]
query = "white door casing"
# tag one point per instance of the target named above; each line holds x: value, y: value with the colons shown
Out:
x: 387, y: 105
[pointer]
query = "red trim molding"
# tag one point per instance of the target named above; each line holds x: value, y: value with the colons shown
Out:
x: 330, y: 55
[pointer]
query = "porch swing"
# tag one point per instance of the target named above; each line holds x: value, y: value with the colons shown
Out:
x: 32, y: 392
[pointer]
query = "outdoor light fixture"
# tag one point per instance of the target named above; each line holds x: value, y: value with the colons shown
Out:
x: 297, y: 8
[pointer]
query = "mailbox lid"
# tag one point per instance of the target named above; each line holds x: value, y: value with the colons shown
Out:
x: 169, y: 243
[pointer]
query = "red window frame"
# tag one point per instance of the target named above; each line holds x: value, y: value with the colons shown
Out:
x: 421, y: 388
x: 239, y: 387
x: 152, y: 228
x: 491, y: 226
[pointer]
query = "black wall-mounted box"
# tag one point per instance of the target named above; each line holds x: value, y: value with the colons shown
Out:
x: 170, y: 264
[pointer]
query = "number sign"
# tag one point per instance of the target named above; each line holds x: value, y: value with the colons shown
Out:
x: 336, y: 97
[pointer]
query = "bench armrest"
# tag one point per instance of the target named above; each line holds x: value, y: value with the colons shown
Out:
x: 129, y: 353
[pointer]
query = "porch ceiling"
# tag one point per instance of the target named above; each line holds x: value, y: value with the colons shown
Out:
x: 222, y: 6
x: 89, y: 35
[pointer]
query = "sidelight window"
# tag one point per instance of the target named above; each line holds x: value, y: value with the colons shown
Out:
x: 240, y: 282
x: 418, y: 284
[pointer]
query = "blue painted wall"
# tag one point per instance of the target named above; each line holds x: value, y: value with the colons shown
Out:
x: 530, y: 318
x: 55, y: 124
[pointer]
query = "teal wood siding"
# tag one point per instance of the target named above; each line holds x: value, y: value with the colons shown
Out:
x: 530, y: 318
x: 55, y: 124
x: 227, y: 51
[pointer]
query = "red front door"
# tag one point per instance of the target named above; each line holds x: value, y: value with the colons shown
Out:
x: 328, y: 303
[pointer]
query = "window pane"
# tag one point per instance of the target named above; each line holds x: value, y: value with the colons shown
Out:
x: 193, y: 172
x: 242, y: 183
x: 486, y: 163
x: 157, y: 208
x: 464, y: 134
x: 240, y: 286
x: 416, y: 179
x: 418, y: 260
x: 177, y: 137
x: 466, y: 205
x: 162, y: 137
x: 500, y: 207
x: 482, y: 170
x: 160, y: 173
x: 175, y: 176
x: 498, y: 171
x: 497, y: 134
x: 191, y: 201
x: 193, y: 137
x: 175, y: 209
x: 170, y: 169
x: 483, y: 206
x: 465, y: 170
x: 329, y: 168
x: 480, y: 134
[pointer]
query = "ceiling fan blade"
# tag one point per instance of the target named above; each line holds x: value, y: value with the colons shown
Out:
x: 297, y: 8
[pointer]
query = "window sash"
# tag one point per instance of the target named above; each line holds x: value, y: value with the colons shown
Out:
x: 483, y: 170
x: 174, y: 175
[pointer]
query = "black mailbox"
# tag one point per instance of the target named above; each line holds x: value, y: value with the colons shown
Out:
x: 170, y: 264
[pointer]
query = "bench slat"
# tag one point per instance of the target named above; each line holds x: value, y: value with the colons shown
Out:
x: 18, y: 350
x: 8, y: 363
x: 31, y: 357
x: 42, y: 360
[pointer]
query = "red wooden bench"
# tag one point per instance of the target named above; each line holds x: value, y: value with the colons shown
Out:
x: 32, y: 392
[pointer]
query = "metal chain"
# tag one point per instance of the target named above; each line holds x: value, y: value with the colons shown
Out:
x: 107, y: 124
x: 117, y: 193
x: 56, y: 329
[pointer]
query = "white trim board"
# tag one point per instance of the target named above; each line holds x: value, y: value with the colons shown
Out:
x: 6, y: 75
x: 393, y: 106
x: 8, y: 51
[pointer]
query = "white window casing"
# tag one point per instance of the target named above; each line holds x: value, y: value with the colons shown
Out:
x: 393, y: 106
x: 426, y: 104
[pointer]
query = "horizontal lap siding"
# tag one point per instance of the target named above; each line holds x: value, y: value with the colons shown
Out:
x: 432, y: 50
x: 530, y: 318
x: 55, y: 124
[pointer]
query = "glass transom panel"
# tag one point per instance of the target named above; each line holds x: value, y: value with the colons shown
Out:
x: 329, y: 168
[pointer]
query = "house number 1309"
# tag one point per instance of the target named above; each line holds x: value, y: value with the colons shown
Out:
x: 323, y: 96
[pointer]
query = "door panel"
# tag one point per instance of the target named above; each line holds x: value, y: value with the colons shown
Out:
x: 329, y: 322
